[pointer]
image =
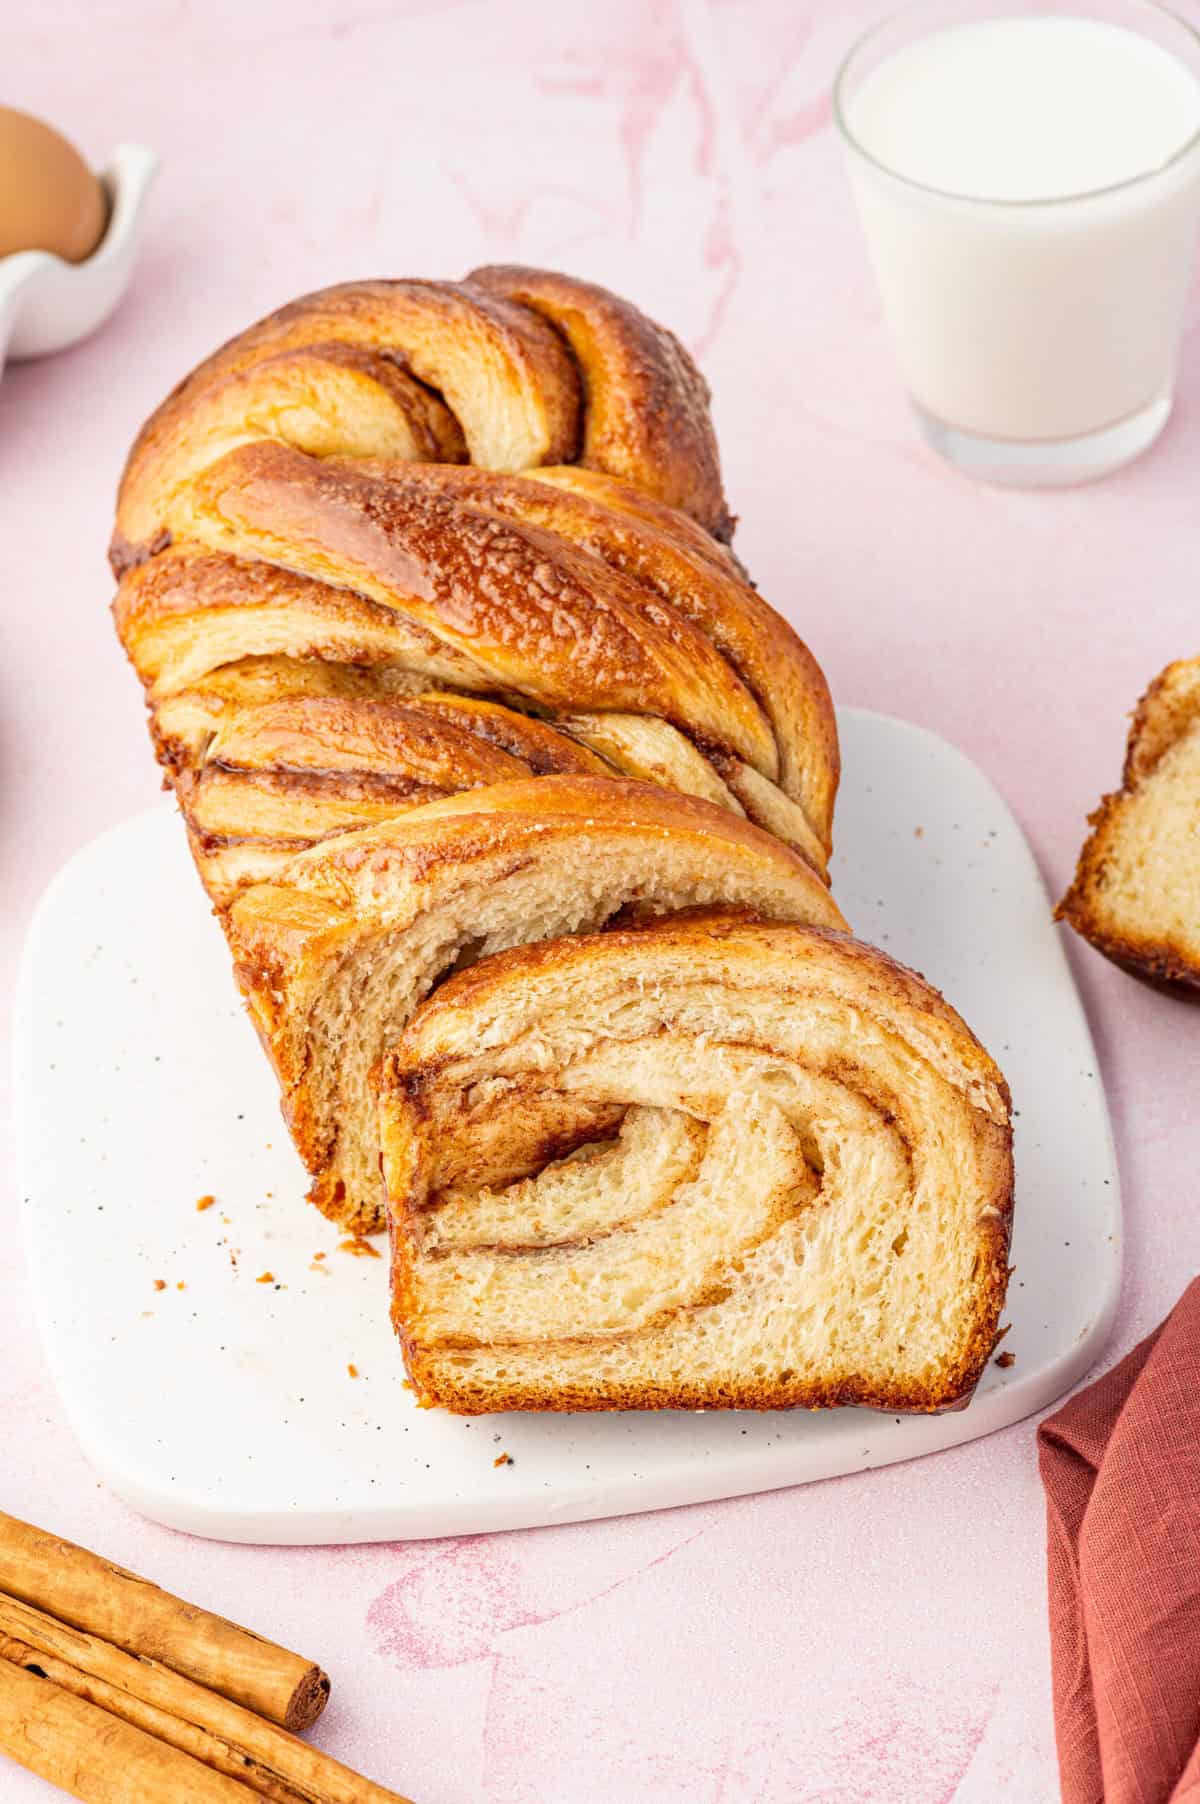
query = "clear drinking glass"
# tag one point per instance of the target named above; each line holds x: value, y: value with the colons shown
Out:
x: 1038, y: 338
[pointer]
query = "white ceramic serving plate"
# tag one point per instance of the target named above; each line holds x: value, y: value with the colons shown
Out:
x: 47, y: 304
x: 226, y: 1408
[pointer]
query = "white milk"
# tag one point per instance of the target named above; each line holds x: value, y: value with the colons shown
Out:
x: 1026, y: 305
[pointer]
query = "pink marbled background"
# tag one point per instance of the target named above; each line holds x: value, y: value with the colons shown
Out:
x: 874, y: 1638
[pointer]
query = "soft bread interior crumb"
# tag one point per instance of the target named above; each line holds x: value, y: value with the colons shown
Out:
x: 808, y: 1200
x: 591, y: 1191
x: 1136, y: 892
x: 642, y: 1268
x: 1149, y: 880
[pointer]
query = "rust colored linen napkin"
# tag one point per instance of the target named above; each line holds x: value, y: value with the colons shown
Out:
x: 1120, y: 1463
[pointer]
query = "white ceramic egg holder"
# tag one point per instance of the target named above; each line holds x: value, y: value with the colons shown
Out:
x: 47, y: 303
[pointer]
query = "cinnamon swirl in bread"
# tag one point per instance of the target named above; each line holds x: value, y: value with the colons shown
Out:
x: 334, y: 955
x: 696, y: 1164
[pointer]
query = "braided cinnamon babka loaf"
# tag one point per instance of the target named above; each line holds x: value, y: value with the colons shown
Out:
x: 450, y: 667
x: 698, y: 1164
x: 404, y: 542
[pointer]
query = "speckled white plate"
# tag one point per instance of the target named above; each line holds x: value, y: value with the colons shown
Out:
x: 224, y: 1405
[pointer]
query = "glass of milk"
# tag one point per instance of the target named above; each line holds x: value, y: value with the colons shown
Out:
x: 1028, y: 179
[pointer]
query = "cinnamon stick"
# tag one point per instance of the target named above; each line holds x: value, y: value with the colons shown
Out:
x: 267, y: 1760
x: 98, y: 1757
x: 91, y: 1594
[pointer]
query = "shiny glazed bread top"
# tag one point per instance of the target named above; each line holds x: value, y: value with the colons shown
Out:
x: 402, y: 539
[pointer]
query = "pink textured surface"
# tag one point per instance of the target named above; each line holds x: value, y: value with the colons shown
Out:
x: 874, y: 1638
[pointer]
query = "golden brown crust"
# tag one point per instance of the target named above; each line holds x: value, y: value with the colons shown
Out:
x: 1163, y: 715
x: 496, y: 1034
x: 1140, y: 955
x: 647, y: 417
x: 437, y: 1386
x: 546, y: 620
x: 595, y: 601
x: 302, y: 495
x: 288, y: 772
x: 502, y: 372
x: 1169, y: 709
x: 666, y: 556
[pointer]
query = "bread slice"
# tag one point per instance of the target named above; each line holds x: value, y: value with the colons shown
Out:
x: 1136, y: 894
x: 806, y: 1202
x: 334, y: 955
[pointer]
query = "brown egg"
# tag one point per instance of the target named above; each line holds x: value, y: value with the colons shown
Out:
x: 49, y: 198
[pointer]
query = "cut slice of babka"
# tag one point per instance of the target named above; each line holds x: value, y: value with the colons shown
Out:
x: 1136, y: 893
x: 699, y: 1163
